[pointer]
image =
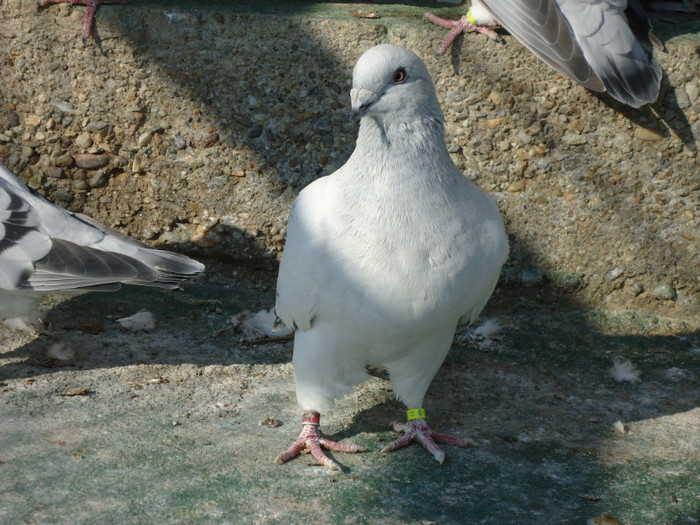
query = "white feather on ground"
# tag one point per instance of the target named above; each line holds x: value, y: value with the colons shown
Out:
x: 45, y: 249
x: 623, y: 370
x: 485, y: 331
x: 259, y: 325
x: 142, y: 321
x: 677, y: 375
x: 619, y: 427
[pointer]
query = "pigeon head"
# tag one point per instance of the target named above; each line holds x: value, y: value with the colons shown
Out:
x: 392, y: 82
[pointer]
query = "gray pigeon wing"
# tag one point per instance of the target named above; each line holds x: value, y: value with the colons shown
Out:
x: 68, y: 266
x: 167, y: 269
x: 627, y: 70
x: 541, y: 27
x: 50, y: 249
x: 21, y: 241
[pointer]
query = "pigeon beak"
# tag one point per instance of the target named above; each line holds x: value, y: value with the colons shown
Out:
x: 361, y: 100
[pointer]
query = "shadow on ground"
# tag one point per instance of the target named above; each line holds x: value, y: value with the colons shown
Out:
x: 172, y: 424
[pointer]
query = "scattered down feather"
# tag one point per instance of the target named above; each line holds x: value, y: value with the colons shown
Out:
x: 624, y: 371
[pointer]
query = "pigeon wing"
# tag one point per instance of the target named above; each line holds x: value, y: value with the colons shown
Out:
x: 541, y: 27
x: 21, y: 240
x: 297, y: 280
x: 602, y: 30
x: 46, y: 248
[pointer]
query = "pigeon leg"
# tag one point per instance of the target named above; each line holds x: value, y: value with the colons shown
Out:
x: 418, y: 430
x: 463, y: 25
x: 90, y: 8
x: 312, y: 439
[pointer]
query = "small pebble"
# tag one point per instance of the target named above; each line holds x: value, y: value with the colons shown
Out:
x: 516, y: 187
x: 12, y: 160
x: 693, y: 91
x: 84, y: 140
x: 636, y: 289
x: 575, y: 139
x: 72, y: 392
x: 255, y: 131
x: 209, y: 140
x: 32, y: 120
x: 178, y: 142
x: 615, y: 273
x: 677, y: 375
x: 524, y: 137
x: 98, y: 125
x: 90, y: 161
x: 63, y: 161
x: 9, y: 120
x: 664, y: 292
x: 98, y: 180
x: 63, y: 196
x: 144, y: 139
x: 648, y: 135
x: 54, y: 172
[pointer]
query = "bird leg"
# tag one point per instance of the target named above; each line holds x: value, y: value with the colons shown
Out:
x: 418, y: 430
x: 90, y: 8
x: 456, y: 27
x: 312, y: 440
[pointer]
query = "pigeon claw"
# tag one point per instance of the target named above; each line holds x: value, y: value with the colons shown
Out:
x: 457, y: 27
x: 418, y: 430
x: 311, y: 440
x: 90, y: 8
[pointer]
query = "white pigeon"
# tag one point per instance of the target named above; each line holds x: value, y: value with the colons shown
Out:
x: 589, y: 41
x: 387, y: 256
x: 45, y: 249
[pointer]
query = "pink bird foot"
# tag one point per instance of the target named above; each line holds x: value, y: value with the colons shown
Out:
x: 91, y: 7
x: 456, y: 27
x: 418, y: 430
x: 312, y: 440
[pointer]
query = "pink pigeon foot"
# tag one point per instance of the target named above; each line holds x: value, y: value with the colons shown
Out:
x: 90, y: 8
x: 418, y: 430
x: 312, y: 440
x: 463, y: 25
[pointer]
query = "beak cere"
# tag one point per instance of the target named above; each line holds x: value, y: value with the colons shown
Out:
x: 361, y: 100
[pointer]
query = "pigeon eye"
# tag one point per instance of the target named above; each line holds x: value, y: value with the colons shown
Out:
x: 399, y: 75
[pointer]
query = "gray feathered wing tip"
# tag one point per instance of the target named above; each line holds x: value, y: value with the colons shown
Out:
x: 133, y: 262
x: 45, y: 249
x: 542, y: 28
x: 68, y: 266
x: 589, y: 41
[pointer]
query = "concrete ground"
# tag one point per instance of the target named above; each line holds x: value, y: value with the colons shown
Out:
x: 182, y: 424
x: 584, y: 409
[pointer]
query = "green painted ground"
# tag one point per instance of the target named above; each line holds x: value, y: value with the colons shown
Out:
x: 168, y: 428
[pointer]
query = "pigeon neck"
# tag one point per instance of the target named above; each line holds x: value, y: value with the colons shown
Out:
x: 414, y: 135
